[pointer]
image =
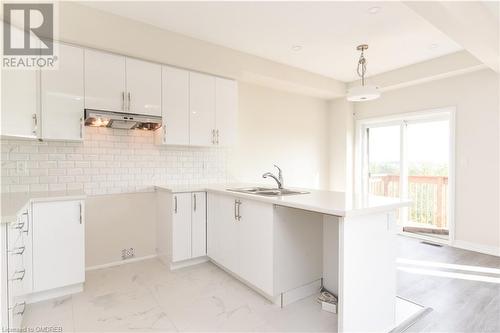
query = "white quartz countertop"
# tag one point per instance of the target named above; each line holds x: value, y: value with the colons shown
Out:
x: 320, y: 201
x: 12, y: 203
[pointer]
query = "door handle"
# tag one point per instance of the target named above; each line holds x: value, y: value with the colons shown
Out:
x: 194, y: 203
x: 175, y: 204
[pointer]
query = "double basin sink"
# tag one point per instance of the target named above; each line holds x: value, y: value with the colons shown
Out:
x: 266, y: 191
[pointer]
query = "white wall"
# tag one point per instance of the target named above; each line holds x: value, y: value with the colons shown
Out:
x: 341, y: 146
x: 116, y: 222
x: 281, y: 128
x: 475, y: 96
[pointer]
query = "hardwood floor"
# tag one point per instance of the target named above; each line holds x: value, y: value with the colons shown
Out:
x: 463, y: 298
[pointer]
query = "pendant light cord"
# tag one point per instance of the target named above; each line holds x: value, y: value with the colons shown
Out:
x: 362, y: 67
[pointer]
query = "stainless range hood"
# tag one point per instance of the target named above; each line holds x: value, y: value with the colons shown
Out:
x: 121, y: 120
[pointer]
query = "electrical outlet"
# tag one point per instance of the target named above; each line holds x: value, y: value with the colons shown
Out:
x: 128, y: 253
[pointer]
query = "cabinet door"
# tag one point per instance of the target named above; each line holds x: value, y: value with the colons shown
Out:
x: 20, y: 111
x: 226, y: 111
x: 104, y: 81
x: 181, y: 227
x: 222, y: 231
x: 256, y: 227
x: 202, y: 109
x: 175, y: 106
x: 143, y: 87
x: 58, y: 244
x: 62, y: 96
x: 199, y: 224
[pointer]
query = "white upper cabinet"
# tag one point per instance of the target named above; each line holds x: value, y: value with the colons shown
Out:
x: 62, y: 96
x: 143, y: 87
x: 20, y: 112
x: 20, y: 108
x: 105, y: 81
x: 175, y: 106
x: 201, y: 109
x: 226, y: 110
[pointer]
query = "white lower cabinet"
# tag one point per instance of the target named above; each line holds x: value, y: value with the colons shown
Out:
x: 44, y: 252
x: 240, y: 238
x: 199, y: 224
x: 58, y: 244
x: 182, y: 226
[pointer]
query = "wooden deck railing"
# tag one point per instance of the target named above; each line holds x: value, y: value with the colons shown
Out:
x: 429, y: 195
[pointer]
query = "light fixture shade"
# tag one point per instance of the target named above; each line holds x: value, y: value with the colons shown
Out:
x: 363, y: 93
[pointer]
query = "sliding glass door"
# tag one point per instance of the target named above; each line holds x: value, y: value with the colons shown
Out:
x: 410, y: 158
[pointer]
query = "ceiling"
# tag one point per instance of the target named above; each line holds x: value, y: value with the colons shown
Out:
x: 319, y: 37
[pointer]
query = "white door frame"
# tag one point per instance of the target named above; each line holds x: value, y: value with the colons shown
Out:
x: 360, y: 156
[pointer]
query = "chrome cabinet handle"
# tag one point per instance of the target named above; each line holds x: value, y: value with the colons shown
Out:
x: 239, y: 215
x: 194, y: 204
x: 18, y: 226
x: 27, y: 231
x: 18, y: 250
x: 81, y: 127
x: 123, y: 100
x: 35, y: 123
x: 22, y: 272
x: 235, y: 209
x: 175, y: 204
x: 20, y: 313
x: 217, y: 136
x: 128, y: 107
x: 213, y: 136
x: 81, y: 217
x: 164, y: 133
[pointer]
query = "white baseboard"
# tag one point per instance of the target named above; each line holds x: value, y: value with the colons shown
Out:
x: 121, y: 262
x: 491, y: 250
x: 187, y: 263
x: 54, y: 293
x: 294, y: 295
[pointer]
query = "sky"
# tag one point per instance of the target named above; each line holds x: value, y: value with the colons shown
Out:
x: 426, y: 142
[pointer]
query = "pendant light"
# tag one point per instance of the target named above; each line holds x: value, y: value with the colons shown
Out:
x: 364, y: 92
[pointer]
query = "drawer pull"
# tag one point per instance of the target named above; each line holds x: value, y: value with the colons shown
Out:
x: 19, y: 313
x: 18, y: 226
x: 20, y: 278
x: 18, y: 250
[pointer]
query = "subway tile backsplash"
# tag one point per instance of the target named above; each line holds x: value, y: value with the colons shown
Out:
x: 108, y: 161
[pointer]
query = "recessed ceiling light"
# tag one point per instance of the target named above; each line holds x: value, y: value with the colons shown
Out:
x: 433, y: 46
x: 374, y: 10
x: 296, y: 48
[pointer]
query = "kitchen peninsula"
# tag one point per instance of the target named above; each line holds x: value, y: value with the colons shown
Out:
x: 287, y: 247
